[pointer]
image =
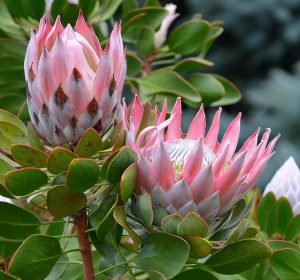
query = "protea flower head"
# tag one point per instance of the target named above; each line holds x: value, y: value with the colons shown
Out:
x: 72, y: 83
x: 194, y: 172
x: 285, y: 183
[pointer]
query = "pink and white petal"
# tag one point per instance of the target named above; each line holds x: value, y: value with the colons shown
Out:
x: 220, y: 163
x: 145, y: 176
x: 104, y: 75
x: 73, y: 131
x: 190, y: 206
x: 209, y: 207
x: 193, y: 164
x: 251, y: 143
x: 55, y: 31
x: 232, y: 135
x: 117, y: 50
x: 226, y: 181
x: 158, y: 197
x: 198, y: 125
x: 211, y: 139
x: 78, y: 92
x: 88, y: 33
x: 178, y: 194
x: 163, y: 167
x: 259, y: 168
x: 136, y: 113
x: 41, y: 35
x: 60, y: 60
x: 163, y: 113
x: 30, y: 57
x: 174, y: 129
x: 203, y: 184
x: 61, y: 107
x: 46, y: 76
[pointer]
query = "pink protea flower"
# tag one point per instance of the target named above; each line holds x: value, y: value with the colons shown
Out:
x: 72, y: 83
x: 194, y: 172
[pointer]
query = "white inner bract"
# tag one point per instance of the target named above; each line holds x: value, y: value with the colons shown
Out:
x: 179, y: 150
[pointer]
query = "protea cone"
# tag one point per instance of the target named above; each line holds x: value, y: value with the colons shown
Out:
x: 285, y: 183
x: 194, y: 172
x: 72, y: 83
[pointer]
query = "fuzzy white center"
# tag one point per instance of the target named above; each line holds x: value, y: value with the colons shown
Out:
x: 179, y: 150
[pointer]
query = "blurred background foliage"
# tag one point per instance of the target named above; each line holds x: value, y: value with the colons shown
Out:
x: 258, y: 51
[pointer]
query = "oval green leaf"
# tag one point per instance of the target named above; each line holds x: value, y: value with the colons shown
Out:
x: 164, y: 253
x: 199, y: 247
x: 119, y: 163
x: 35, y: 257
x: 239, y: 257
x: 120, y: 217
x: 192, y: 225
x: 62, y: 202
x: 89, y: 144
x: 25, y: 180
x: 82, y: 174
x: 128, y: 182
x: 26, y: 155
x: 170, y: 223
x: 59, y: 160
x: 16, y: 222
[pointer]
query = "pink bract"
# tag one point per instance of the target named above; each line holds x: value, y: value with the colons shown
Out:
x: 72, y: 83
x: 194, y: 172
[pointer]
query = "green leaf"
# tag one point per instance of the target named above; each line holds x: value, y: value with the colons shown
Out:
x: 145, y: 41
x: 170, y: 223
x: 191, y: 64
x: 232, y: 93
x: 134, y: 64
x: 283, y: 244
x: 120, y: 217
x: 199, y: 247
x: 67, y: 11
x: 108, y: 8
x: 285, y: 264
x: 238, y: 232
x: 11, y: 134
x: 59, y: 160
x: 156, y: 275
x: 61, y: 202
x: 26, y: 155
x: 34, y: 139
x: 82, y: 174
x: 144, y: 209
x: 293, y: 229
x: 285, y: 215
x: 16, y: 222
x: 5, y: 276
x: 170, y: 83
x: 20, y: 8
x: 194, y: 274
x: 146, y: 16
x: 35, y: 257
x: 128, y: 182
x: 129, y: 5
x: 238, y: 257
x: 189, y: 36
x: 209, y: 87
x: 118, y: 164
x: 267, y: 214
x: 87, y: 6
x: 89, y: 144
x: 164, y: 253
x: 10, y: 118
x: 107, y: 222
x: 25, y: 180
x: 192, y: 225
